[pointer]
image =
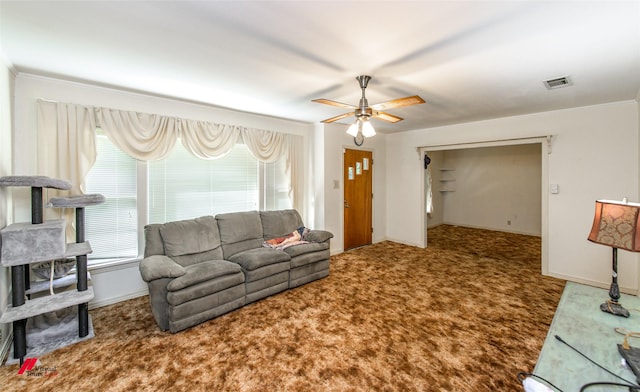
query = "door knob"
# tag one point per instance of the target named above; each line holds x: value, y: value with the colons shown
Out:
x: 346, y: 204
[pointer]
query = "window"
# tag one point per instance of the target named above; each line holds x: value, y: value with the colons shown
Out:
x: 178, y: 187
x: 276, y: 189
x: 183, y: 186
x: 111, y: 227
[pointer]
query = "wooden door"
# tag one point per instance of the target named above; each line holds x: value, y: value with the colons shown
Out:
x: 358, y: 195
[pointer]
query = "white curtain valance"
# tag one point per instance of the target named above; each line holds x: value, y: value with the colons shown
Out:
x: 66, y: 135
x: 152, y: 136
x: 264, y: 145
x: 143, y: 136
x: 208, y: 140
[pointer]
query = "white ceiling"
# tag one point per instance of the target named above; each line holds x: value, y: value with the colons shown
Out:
x: 470, y: 60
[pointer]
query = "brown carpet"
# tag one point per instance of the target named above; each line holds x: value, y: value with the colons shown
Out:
x: 466, y: 314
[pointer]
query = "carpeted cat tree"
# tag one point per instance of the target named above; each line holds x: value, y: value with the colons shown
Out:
x: 24, y: 244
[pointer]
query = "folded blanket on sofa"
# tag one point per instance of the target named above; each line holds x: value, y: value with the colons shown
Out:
x: 294, y: 238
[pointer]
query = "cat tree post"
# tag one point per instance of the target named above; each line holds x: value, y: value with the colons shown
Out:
x: 20, y: 280
x: 79, y: 202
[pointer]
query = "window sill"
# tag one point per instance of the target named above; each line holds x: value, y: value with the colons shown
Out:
x: 107, y: 265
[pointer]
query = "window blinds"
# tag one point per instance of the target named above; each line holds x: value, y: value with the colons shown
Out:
x: 111, y: 227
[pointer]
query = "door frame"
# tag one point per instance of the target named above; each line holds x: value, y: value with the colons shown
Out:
x: 373, y: 190
x: 545, y: 143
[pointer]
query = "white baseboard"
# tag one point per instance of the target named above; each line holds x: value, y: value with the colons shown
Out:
x: 115, y: 300
x: 335, y: 251
x: 593, y: 283
x: 502, y: 229
x: 404, y: 242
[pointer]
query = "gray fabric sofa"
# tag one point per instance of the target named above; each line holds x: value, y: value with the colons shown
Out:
x: 200, y: 268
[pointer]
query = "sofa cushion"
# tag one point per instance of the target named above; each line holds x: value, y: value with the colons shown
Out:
x: 159, y: 266
x: 317, y: 236
x: 190, y: 236
x: 253, y: 259
x: 201, y: 272
x: 239, y: 231
x: 279, y: 223
x: 309, y: 258
x: 206, y: 288
x: 187, y: 260
x: 302, y: 249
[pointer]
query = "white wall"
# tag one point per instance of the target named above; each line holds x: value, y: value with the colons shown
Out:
x: 114, y: 284
x: 317, y: 189
x: 496, y: 188
x: 335, y: 141
x: 594, y: 154
x: 6, y: 110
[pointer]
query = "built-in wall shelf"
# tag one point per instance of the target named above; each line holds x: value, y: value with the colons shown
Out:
x: 447, y: 180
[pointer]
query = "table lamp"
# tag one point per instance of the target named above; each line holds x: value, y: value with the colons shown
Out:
x: 615, y: 224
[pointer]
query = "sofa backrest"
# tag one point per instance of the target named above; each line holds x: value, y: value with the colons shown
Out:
x: 239, y: 231
x: 152, y: 241
x: 280, y: 223
x: 187, y: 242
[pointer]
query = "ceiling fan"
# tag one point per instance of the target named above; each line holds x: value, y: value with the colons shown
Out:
x: 363, y: 112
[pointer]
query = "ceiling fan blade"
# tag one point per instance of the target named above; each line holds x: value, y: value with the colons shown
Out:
x: 386, y: 117
x: 333, y: 103
x: 397, y: 103
x: 336, y: 118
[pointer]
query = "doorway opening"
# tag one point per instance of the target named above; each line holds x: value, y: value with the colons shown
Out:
x: 509, y: 194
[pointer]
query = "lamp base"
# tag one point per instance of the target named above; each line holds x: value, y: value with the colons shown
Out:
x: 614, y: 308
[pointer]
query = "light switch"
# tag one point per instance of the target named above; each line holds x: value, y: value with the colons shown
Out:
x: 555, y: 189
x: 336, y: 184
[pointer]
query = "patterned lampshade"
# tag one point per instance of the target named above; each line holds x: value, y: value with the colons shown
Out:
x: 616, y: 224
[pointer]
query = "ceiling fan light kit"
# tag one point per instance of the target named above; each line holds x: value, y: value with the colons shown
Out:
x: 363, y: 112
x: 353, y: 129
x: 362, y: 126
x: 367, y: 128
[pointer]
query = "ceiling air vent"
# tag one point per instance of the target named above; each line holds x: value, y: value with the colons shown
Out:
x: 557, y: 82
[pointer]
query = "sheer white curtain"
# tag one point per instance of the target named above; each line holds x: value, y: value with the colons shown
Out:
x: 66, y: 137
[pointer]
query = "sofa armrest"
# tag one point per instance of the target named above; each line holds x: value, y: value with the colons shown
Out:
x: 318, y: 236
x: 159, y: 266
